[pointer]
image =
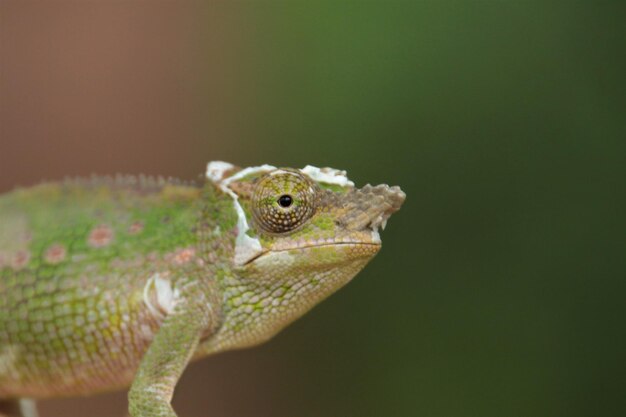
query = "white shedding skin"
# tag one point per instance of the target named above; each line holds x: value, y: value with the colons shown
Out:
x: 246, y: 247
x: 247, y: 171
x: 166, y: 297
x: 375, y: 235
x: 215, y: 170
x: 328, y: 175
x: 146, y: 298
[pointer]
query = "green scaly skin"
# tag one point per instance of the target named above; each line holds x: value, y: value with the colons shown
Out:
x: 111, y: 283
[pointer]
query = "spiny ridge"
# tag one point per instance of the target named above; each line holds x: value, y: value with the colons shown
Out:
x: 139, y: 182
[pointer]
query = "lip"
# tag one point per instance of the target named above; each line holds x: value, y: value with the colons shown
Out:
x: 378, y: 245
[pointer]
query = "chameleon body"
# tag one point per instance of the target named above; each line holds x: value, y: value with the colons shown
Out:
x: 120, y: 282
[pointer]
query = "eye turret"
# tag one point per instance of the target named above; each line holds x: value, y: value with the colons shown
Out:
x: 283, y: 200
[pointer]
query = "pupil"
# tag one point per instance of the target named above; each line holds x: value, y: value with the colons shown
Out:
x: 285, y: 201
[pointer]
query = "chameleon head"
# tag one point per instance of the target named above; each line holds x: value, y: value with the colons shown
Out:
x: 301, y: 235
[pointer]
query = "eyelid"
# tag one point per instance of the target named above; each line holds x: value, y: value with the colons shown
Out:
x: 267, y: 211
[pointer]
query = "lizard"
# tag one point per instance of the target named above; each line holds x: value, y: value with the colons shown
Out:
x: 120, y: 282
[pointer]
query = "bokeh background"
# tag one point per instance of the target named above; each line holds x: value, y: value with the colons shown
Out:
x: 500, y: 290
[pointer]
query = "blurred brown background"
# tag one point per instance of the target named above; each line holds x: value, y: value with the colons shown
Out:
x: 500, y: 288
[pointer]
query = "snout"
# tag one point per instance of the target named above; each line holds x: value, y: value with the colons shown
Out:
x: 371, y: 206
x: 386, y: 200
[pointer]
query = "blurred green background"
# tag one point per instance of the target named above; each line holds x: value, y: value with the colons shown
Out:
x: 500, y: 289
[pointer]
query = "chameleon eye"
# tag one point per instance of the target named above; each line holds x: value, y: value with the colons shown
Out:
x: 283, y: 201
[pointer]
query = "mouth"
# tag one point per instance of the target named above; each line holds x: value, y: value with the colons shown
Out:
x: 373, y: 245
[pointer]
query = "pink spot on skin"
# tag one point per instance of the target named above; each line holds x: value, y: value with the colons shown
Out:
x: 20, y: 259
x: 182, y: 256
x: 135, y: 228
x: 55, y: 254
x: 100, y: 236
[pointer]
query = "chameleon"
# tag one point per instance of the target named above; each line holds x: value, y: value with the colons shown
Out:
x: 120, y: 282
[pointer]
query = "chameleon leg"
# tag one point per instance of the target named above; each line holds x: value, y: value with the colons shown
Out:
x: 167, y: 357
x: 18, y: 408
